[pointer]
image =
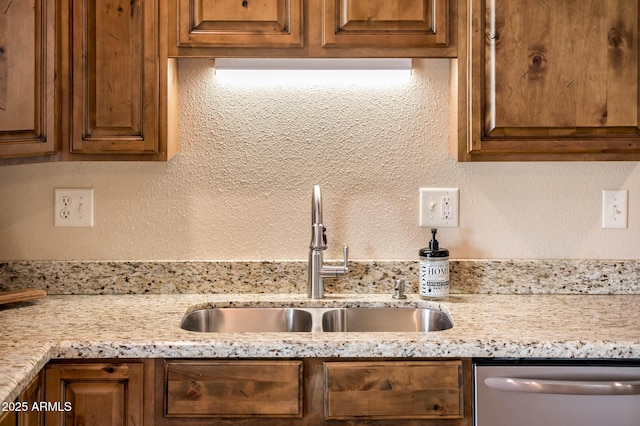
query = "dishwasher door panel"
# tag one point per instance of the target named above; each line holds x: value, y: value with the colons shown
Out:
x: 557, y: 395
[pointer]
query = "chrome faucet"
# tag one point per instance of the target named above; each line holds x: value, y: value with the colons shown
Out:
x: 317, y: 271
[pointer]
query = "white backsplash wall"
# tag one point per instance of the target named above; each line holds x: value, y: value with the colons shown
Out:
x: 240, y: 188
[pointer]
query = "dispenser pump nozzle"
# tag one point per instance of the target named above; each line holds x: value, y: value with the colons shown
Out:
x: 433, y: 244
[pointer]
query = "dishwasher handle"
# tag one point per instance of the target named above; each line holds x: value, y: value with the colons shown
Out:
x: 566, y: 387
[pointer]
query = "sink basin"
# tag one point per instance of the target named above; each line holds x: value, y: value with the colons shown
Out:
x: 230, y: 320
x: 373, y: 319
x: 385, y: 319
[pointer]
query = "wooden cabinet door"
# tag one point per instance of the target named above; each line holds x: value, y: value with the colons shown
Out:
x: 554, y: 80
x: 26, y: 411
x: 110, y: 69
x: 27, y: 85
x: 240, y: 23
x: 386, y: 23
x: 8, y: 418
x: 108, y: 394
x: 33, y: 395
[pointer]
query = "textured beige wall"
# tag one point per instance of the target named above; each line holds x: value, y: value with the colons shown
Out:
x: 240, y: 188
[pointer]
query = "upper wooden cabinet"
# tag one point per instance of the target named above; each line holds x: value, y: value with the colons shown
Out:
x: 117, y: 82
x: 243, y: 23
x: 313, y: 28
x: 27, y: 78
x: 541, y: 80
x: 388, y: 23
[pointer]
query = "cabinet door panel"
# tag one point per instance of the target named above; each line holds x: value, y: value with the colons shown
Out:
x: 553, y: 80
x: 27, y: 44
x: 237, y: 23
x: 33, y: 394
x: 535, y: 78
x: 114, y: 84
x: 9, y: 418
x: 384, y: 23
x: 98, y: 394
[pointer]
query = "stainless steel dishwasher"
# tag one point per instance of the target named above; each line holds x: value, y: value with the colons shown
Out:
x: 525, y: 393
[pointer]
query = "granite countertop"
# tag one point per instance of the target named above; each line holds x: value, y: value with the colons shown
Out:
x: 147, y: 326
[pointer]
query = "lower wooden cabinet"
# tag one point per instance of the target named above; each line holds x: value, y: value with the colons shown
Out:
x: 249, y: 388
x: 98, y: 393
x: 394, y: 390
x: 27, y: 409
x: 313, y: 392
x: 265, y: 392
x: 9, y: 418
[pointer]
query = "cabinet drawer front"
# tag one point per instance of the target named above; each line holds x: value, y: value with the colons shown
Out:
x: 235, y: 23
x: 393, y: 389
x: 233, y: 388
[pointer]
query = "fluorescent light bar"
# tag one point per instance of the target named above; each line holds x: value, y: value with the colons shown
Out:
x: 312, y: 69
x: 300, y: 64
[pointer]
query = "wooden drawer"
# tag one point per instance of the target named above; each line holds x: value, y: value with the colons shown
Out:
x: 233, y: 388
x: 394, y: 390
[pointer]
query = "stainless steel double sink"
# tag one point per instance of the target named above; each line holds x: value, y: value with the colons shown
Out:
x: 300, y: 319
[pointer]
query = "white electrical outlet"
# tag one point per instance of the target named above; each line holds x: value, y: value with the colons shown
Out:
x: 439, y: 207
x: 73, y: 207
x: 614, y: 209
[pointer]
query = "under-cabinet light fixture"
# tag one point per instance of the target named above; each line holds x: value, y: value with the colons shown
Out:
x: 312, y: 69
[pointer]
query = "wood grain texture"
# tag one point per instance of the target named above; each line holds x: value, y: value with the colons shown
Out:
x: 234, y: 388
x: 547, y: 81
x: 240, y: 23
x: 394, y: 389
x: 33, y: 394
x: 313, y: 404
x: 313, y: 28
x: 384, y: 23
x: 12, y: 296
x: 101, y: 394
x: 27, y: 78
x: 9, y: 418
x: 556, y: 67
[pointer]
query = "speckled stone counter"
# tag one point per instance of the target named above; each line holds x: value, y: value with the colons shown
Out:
x: 486, y: 276
x: 147, y: 326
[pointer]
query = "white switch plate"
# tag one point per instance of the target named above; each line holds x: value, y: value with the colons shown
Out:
x: 439, y: 207
x: 614, y: 209
x: 73, y: 207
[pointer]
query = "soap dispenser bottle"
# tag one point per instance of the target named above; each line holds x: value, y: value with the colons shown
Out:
x: 434, y: 270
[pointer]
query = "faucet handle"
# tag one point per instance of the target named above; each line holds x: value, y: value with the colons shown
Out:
x: 345, y: 250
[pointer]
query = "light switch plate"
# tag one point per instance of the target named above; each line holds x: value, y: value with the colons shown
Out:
x: 73, y: 207
x: 614, y: 209
x: 439, y: 207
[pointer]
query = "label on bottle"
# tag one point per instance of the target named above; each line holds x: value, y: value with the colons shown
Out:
x: 434, y: 278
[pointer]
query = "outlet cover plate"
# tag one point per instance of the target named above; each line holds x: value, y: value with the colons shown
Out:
x: 439, y: 207
x: 73, y: 207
